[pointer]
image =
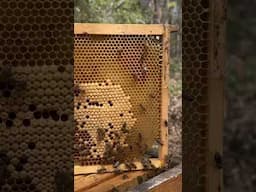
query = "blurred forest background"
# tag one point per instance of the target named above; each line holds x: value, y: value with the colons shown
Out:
x: 146, y: 12
x: 240, y: 121
x: 140, y: 12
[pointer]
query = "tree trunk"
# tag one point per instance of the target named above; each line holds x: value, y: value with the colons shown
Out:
x: 157, y: 11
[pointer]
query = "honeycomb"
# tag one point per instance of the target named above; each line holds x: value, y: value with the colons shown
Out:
x: 195, y: 56
x: 94, y: 115
x: 36, y: 95
x: 117, y: 104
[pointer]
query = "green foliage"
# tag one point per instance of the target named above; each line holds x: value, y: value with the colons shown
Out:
x: 175, y: 85
x: 175, y: 69
x: 175, y: 88
x: 111, y: 11
x: 172, y: 4
x: 131, y: 11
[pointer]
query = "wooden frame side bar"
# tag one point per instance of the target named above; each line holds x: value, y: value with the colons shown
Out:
x: 121, y: 29
x: 216, y: 95
x: 163, y: 152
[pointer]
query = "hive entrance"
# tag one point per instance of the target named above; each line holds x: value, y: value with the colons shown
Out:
x: 118, y: 93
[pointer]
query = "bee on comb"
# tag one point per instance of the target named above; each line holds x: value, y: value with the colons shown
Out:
x: 124, y: 128
x: 100, y: 134
x: 142, y: 108
x: 159, y: 142
x: 116, y: 164
x: 102, y: 169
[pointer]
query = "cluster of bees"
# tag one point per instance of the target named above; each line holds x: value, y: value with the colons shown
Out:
x: 129, y: 165
x: 102, y: 122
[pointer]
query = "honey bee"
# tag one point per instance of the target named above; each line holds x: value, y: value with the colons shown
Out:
x: 144, y: 53
x: 133, y: 165
x: 142, y: 108
x: 124, y: 128
x: 108, y: 153
x: 144, y: 69
x: 151, y: 164
x: 100, y: 134
x: 116, y: 164
x: 159, y: 142
x: 86, y: 143
x: 166, y: 123
x: 146, y: 165
x: 84, y: 152
x: 146, y: 162
x: 119, y: 148
x: 140, y: 136
x: 108, y: 147
x: 125, y: 176
x: 102, y: 170
x: 135, y: 77
x: 80, y: 146
x: 127, y: 165
x: 119, y: 50
x: 151, y: 95
x: 76, y: 146
x: 117, y: 171
x: 167, y: 157
x: 117, y: 136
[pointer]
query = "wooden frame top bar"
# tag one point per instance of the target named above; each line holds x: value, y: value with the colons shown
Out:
x: 122, y: 29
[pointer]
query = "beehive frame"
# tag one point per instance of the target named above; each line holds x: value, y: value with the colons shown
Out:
x: 101, y: 32
x: 203, y: 57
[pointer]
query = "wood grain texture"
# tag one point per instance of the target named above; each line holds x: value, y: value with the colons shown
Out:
x: 133, y: 181
x: 93, y: 168
x: 121, y: 29
x: 108, y: 182
x: 165, y: 95
x: 216, y: 94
